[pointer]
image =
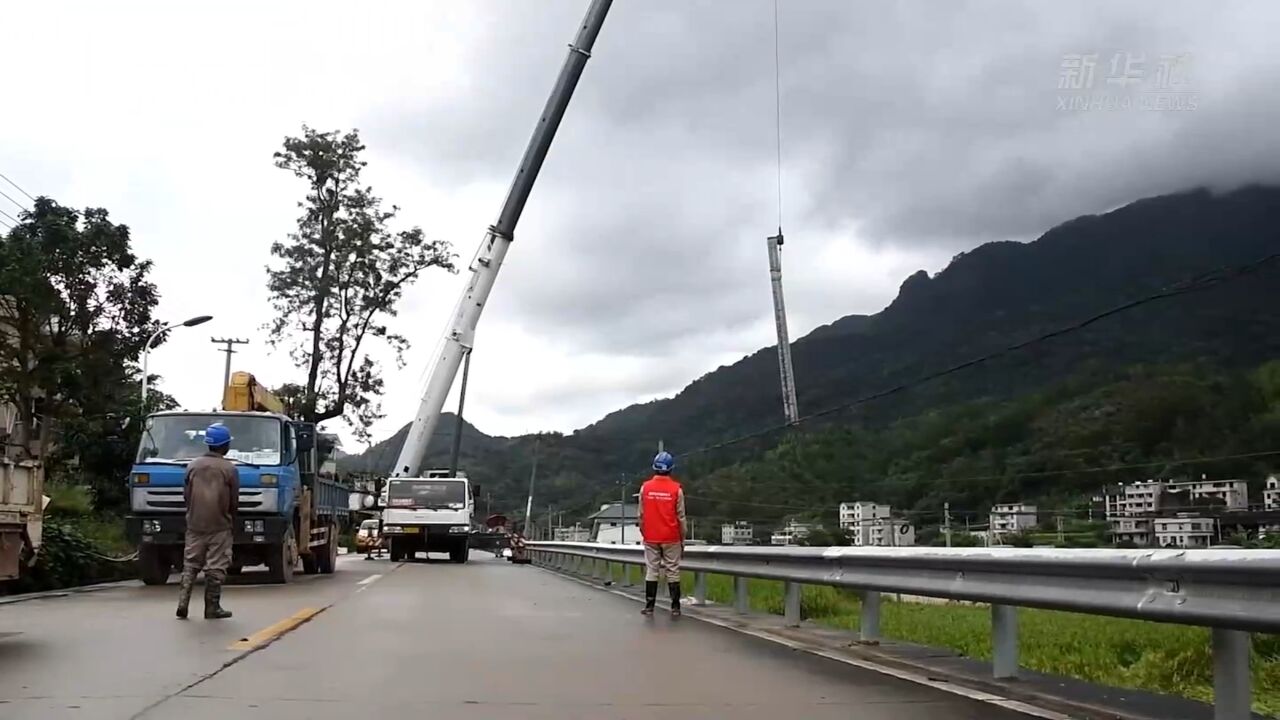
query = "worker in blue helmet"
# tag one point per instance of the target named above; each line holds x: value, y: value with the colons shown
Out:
x: 663, y: 527
x: 212, y: 490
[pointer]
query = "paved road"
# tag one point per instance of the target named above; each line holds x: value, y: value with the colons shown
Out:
x: 448, y: 642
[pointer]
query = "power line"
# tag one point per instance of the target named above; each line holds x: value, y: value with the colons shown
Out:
x: 1198, y: 283
x: 10, y: 199
x: 14, y: 219
x: 24, y: 192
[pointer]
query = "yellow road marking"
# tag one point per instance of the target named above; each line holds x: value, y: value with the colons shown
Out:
x: 271, y: 632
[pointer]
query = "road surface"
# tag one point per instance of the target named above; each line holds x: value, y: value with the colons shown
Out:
x: 435, y: 640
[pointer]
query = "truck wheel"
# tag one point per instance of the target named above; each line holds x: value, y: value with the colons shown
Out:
x: 281, y: 559
x: 311, y: 564
x: 153, y: 565
x: 459, y: 552
x: 396, y: 550
x: 327, y: 554
x: 235, y: 569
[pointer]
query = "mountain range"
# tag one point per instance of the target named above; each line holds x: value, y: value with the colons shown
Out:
x: 985, y: 302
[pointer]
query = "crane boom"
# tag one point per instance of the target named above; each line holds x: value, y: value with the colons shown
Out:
x: 460, y: 333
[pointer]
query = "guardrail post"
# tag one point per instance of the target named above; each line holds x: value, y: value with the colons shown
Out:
x: 869, y: 624
x: 597, y: 569
x: 791, y: 605
x: 741, y: 595
x: 1004, y: 641
x: 699, y: 588
x: 626, y: 575
x: 1231, y: 689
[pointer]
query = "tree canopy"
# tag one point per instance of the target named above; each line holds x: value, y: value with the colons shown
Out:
x: 338, y: 278
x: 75, y: 312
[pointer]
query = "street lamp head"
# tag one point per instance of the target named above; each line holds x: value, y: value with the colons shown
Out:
x: 197, y: 320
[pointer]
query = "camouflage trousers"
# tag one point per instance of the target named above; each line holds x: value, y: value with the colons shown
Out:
x: 208, y: 551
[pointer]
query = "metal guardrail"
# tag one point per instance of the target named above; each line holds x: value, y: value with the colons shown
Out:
x: 1233, y: 592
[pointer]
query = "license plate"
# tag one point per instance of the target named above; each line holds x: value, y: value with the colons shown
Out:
x: 412, y: 530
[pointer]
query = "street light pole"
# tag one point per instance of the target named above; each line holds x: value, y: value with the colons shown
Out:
x: 146, y: 349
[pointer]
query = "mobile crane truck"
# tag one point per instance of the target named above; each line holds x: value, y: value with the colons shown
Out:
x: 424, y: 511
x: 287, y: 510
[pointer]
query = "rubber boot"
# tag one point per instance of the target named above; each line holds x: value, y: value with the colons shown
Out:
x: 213, y: 599
x: 674, y: 590
x: 650, y: 596
x: 184, y: 591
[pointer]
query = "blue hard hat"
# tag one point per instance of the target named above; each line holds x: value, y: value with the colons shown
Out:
x: 664, y: 462
x: 217, y: 434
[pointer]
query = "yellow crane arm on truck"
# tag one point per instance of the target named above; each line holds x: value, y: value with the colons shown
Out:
x: 245, y: 394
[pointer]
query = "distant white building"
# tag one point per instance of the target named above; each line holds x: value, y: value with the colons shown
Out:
x: 616, y: 523
x: 576, y: 533
x: 1011, y: 518
x: 1138, y: 498
x: 791, y: 533
x: 1271, y: 495
x: 1184, y: 531
x: 737, y: 533
x: 1233, y: 494
x: 855, y: 514
x: 1137, y: 530
x: 869, y: 524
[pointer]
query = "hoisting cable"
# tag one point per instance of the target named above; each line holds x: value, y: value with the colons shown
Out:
x: 777, y: 105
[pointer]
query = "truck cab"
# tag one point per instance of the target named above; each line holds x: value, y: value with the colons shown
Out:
x: 428, y: 514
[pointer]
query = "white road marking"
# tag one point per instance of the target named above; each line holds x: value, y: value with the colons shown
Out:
x: 365, y: 583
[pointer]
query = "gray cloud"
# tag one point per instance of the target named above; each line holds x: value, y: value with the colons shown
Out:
x: 928, y: 125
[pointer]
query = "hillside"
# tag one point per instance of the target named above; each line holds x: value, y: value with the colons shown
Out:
x: 987, y: 299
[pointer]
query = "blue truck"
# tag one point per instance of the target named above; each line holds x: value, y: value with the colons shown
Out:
x: 288, y: 510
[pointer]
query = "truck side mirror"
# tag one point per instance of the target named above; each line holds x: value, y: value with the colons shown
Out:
x: 306, y: 436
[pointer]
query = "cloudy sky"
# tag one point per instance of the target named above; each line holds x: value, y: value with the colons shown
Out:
x: 910, y: 131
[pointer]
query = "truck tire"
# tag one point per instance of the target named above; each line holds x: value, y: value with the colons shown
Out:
x: 327, y: 555
x: 153, y: 565
x: 281, y: 559
x: 459, y: 552
x: 395, y: 549
x: 310, y: 563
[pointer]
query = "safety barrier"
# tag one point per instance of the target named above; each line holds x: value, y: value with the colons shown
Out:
x: 1233, y: 592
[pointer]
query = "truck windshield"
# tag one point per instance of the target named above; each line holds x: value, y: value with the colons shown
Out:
x: 254, y: 440
x: 426, y: 493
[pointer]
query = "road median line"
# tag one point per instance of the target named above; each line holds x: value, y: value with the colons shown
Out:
x: 271, y: 632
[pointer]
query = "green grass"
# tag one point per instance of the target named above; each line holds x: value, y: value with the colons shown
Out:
x: 1163, y: 658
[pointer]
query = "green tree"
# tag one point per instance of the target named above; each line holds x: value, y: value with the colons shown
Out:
x: 75, y: 311
x: 338, y: 278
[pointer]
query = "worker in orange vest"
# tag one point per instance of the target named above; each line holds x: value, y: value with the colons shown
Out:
x: 663, y: 528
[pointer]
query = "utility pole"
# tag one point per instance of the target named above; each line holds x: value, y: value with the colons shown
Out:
x: 229, y: 342
x: 457, y: 430
x: 946, y: 521
x: 551, y: 535
x: 785, y: 369
x: 1058, y: 518
x: 528, y: 508
x: 622, y: 510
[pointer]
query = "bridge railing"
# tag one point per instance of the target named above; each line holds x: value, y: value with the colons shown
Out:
x: 1232, y: 592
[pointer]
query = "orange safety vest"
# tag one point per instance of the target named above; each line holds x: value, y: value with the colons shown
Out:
x: 659, y: 518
